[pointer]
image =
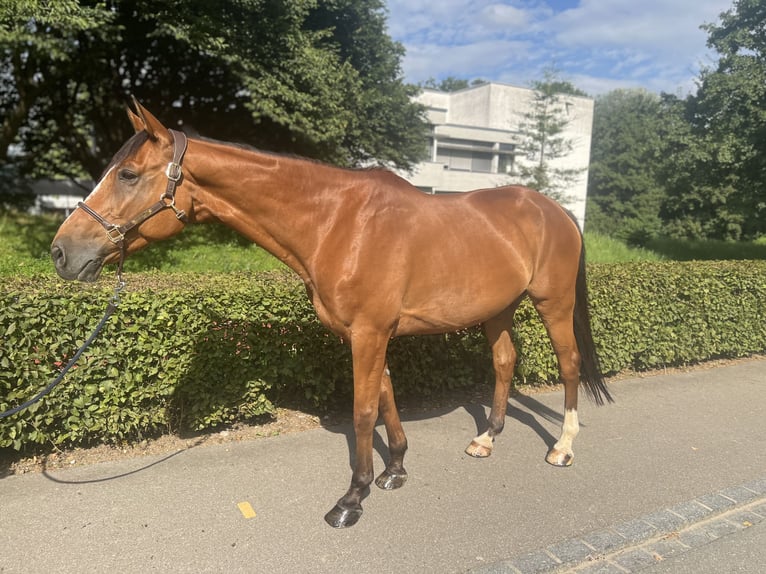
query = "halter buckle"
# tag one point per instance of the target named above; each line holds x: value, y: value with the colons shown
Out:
x: 174, y: 171
x: 115, y: 235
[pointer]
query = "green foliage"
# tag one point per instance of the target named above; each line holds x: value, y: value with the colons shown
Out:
x: 707, y: 249
x: 25, y: 249
x: 196, y: 352
x: 601, y: 248
x: 717, y: 188
x: 451, y: 84
x: 648, y: 315
x: 25, y: 243
x: 624, y: 189
x: 688, y: 168
x: 320, y: 79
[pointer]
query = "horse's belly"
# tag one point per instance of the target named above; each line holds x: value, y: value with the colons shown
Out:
x: 446, y: 309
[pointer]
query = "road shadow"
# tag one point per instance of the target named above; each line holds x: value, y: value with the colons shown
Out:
x: 531, y: 415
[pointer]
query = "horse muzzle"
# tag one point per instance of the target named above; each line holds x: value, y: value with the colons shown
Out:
x: 76, y: 264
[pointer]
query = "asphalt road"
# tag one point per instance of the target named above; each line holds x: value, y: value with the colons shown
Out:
x: 670, y: 444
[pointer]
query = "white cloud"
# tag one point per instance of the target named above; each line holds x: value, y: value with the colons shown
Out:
x: 503, y: 17
x: 597, y: 44
x: 653, y: 25
x: 476, y: 60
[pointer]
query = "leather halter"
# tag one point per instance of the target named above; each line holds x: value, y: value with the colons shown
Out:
x: 116, y: 233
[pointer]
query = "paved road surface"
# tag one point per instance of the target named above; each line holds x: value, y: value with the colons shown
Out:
x: 689, y: 442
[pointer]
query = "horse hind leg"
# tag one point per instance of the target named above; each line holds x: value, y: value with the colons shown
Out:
x: 394, y: 476
x: 498, y: 332
x: 557, y: 316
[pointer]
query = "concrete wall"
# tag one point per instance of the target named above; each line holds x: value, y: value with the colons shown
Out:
x: 492, y: 113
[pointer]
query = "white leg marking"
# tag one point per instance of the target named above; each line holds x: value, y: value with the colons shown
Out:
x: 484, y: 440
x: 569, y: 430
x: 481, y: 446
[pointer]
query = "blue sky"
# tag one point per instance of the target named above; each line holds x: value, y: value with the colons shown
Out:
x: 598, y: 45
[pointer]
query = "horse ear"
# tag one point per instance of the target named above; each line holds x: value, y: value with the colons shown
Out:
x: 144, y: 120
x: 138, y: 123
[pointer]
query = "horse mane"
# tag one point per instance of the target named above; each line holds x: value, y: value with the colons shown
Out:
x: 247, y: 147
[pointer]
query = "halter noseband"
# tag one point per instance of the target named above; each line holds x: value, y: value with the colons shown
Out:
x: 116, y: 233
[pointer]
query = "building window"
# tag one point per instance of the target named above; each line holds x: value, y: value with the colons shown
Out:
x: 454, y: 159
x: 481, y: 161
x: 464, y: 155
x: 505, y: 164
x: 505, y: 155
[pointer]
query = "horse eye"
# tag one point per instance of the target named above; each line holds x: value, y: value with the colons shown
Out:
x: 128, y: 176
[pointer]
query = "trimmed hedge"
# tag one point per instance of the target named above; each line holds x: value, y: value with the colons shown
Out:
x: 197, y: 352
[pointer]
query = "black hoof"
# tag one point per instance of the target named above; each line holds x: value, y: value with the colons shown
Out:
x: 390, y: 481
x: 343, y: 517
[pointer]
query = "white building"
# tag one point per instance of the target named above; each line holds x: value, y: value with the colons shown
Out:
x: 475, y: 136
x: 59, y: 195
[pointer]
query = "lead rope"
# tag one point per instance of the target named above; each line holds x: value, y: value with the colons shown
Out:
x: 114, y: 302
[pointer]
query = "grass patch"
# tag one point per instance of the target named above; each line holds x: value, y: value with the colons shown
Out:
x: 707, y: 249
x: 25, y: 249
x: 204, y: 249
x: 25, y: 243
x: 603, y: 249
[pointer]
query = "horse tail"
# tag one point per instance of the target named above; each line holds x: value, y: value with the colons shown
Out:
x: 590, y: 369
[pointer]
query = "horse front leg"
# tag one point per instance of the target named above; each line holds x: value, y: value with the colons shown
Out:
x: 394, y: 476
x: 369, y: 358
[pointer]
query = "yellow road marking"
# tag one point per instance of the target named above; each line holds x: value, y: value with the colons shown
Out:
x: 246, y: 510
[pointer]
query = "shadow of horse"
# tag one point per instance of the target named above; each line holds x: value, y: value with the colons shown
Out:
x: 530, y: 415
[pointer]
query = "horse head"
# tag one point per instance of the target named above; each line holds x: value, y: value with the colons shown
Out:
x: 133, y: 204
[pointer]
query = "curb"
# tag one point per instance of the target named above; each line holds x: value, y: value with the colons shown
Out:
x: 633, y: 545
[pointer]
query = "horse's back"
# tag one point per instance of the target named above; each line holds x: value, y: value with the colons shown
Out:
x: 515, y: 216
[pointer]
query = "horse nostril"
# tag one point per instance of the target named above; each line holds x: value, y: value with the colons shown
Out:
x: 58, y: 255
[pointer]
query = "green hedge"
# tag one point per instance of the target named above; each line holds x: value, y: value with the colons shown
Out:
x: 196, y: 352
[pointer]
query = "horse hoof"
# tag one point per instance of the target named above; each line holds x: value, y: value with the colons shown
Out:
x: 477, y: 450
x: 343, y: 517
x: 391, y: 481
x: 559, y: 458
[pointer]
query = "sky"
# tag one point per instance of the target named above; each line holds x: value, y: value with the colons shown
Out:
x: 597, y: 45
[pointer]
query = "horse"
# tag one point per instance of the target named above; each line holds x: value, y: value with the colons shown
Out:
x: 378, y: 257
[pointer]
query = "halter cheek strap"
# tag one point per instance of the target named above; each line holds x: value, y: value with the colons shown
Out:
x: 116, y: 233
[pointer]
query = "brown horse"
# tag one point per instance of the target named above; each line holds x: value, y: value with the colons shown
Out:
x: 378, y: 257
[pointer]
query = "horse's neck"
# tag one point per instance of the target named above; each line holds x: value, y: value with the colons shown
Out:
x: 273, y: 200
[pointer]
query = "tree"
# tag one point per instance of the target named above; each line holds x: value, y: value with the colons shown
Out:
x: 320, y: 79
x: 34, y: 39
x: 452, y: 84
x: 721, y: 192
x: 625, y: 192
x: 384, y: 126
x: 543, y: 141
